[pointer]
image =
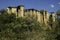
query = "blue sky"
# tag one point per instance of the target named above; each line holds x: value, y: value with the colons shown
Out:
x: 50, y: 5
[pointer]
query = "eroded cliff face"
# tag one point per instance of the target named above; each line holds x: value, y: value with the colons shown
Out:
x: 41, y: 16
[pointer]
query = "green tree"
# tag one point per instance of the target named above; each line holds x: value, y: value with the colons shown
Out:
x: 12, y: 28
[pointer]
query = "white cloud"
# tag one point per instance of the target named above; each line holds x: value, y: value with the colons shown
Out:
x: 59, y: 3
x: 52, y: 5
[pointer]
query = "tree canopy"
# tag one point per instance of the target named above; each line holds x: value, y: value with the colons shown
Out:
x: 12, y: 28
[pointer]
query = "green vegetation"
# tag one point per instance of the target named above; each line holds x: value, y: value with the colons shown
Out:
x: 57, y: 30
x: 12, y: 28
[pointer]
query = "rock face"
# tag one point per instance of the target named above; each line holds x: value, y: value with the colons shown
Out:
x: 41, y: 16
